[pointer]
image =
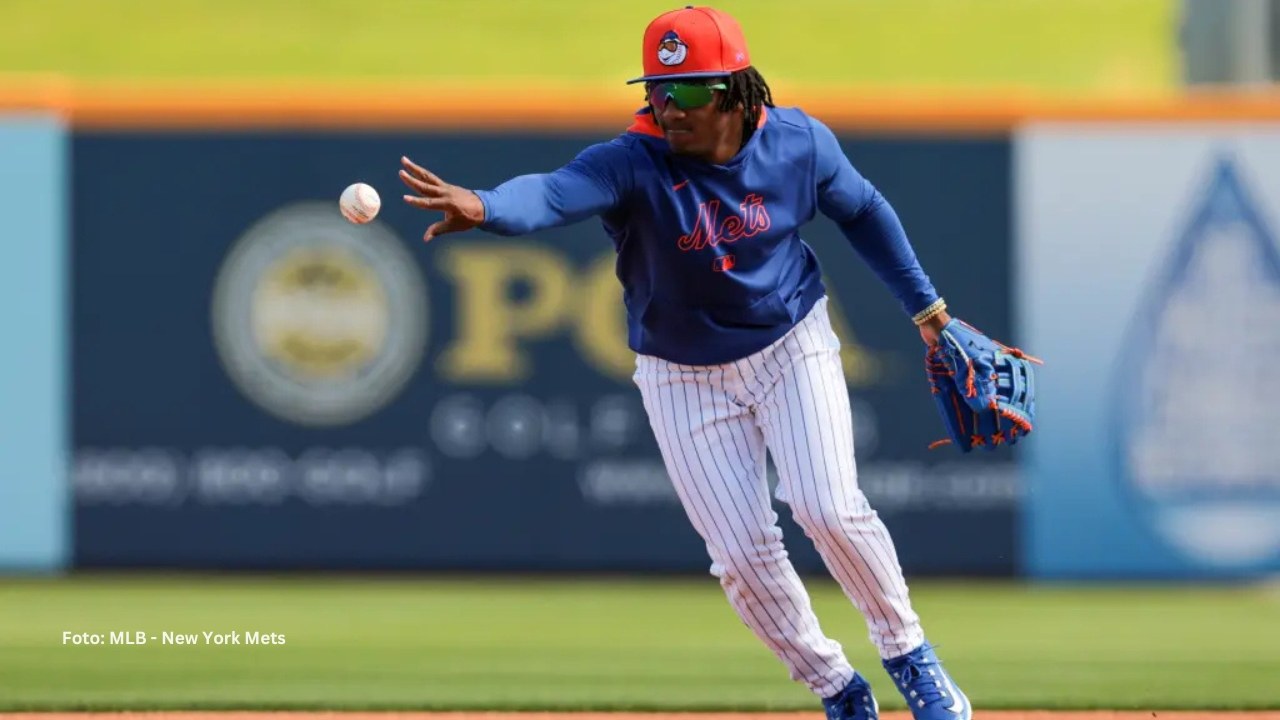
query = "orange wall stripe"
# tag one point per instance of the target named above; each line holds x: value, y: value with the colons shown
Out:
x: 221, y: 105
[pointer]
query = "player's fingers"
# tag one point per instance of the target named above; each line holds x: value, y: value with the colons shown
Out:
x: 420, y: 185
x: 428, y: 203
x: 439, y: 228
x: 420, y: 172
x: 452, y: 222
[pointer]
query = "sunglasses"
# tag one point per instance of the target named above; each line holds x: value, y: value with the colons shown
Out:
x: 686, y: 95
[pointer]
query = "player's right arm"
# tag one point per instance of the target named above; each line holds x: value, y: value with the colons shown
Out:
x: 598, y: 179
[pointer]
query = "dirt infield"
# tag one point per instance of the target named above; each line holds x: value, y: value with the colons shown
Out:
x: 817, y: 715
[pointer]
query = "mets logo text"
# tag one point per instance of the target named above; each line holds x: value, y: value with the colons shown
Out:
x: 711, y: 230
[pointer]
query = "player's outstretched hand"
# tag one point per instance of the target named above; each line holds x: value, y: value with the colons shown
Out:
x: 462, y: 208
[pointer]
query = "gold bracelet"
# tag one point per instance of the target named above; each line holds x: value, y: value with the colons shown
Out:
x: 935, y: 308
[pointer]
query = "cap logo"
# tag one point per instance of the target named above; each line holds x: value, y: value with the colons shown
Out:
x: 671, y: 49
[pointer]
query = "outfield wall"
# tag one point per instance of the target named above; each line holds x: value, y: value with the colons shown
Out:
x: 263, y: 384
x: 255, y: 382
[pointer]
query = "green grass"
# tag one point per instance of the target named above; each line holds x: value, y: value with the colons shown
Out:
x: 1090, y: 46
x: 518, y: 643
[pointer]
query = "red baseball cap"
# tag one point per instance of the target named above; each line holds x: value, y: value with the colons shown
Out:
x: 693, y: 42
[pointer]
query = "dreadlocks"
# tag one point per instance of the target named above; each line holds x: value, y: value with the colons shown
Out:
x: 748, y: 90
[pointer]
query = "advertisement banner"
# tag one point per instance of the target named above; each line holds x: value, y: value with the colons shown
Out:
x: 35, y: 504
x: 259, y: 383
x: 1150, y: 284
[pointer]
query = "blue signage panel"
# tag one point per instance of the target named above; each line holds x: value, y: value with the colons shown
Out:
x: 259, y: 383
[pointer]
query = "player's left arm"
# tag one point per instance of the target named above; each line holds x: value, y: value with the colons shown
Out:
x: 985, y: 391
x: 874, y: 230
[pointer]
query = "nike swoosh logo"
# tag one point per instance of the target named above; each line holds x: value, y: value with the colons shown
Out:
x: 957, y: 700
x: 679, y: 185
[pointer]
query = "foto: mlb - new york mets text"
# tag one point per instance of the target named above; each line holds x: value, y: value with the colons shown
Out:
x: 168, y: 637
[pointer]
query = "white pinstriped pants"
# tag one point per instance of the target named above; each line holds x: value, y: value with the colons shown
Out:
x: 713, y: 425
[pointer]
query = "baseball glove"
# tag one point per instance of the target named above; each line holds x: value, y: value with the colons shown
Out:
x: 984, y: 390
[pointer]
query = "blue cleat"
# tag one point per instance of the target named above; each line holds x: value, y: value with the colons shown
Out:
x: 854, y: 702
x: 927, y: 688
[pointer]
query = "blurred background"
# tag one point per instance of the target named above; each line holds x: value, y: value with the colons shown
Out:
x: 223, y: 407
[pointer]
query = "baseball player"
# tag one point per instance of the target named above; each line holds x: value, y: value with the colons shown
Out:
x: 704, y: 196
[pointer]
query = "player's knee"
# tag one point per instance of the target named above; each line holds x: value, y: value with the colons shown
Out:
x: 831, y: 520
x: 738, y: 557
x: 820, y: 524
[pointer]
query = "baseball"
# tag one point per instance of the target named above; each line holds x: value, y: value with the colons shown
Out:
x: 359, y: 203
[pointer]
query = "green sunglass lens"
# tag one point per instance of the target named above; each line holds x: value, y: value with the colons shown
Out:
x: 686, y: 96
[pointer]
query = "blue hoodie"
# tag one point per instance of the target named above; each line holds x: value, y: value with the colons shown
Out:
x: 710, y: 257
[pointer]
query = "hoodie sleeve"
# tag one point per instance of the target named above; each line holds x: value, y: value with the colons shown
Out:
x: 869, y: 223
x: 598, y: 179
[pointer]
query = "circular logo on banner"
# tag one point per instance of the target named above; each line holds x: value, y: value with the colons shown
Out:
x: 316, y: 320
